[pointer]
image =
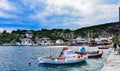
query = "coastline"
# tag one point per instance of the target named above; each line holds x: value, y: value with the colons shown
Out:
x: 48, y: 45
x: 112, y: 63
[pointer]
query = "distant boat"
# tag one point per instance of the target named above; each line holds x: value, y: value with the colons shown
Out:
x: 103, y: 47
x: 68, y: 57
x: 105, y: 42
x: 94, y: 54
x: 93, y: 43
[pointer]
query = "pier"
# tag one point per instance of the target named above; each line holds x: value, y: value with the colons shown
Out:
x: 112, y: 63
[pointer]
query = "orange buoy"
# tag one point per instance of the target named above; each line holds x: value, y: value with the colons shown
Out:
x: 29, y: 62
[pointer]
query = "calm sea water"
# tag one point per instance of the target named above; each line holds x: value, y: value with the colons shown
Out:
x: 15, y: 58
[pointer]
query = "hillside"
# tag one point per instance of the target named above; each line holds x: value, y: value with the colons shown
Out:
x: 113, y: 25
x: 96, y: 30
x: 103, y: 30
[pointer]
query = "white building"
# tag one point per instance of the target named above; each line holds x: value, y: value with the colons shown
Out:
x: 44, y: 41
x: 26, y: 41
x: 80, y: 40
x: 29, y: 34
x: 59, y: 41
x: 98, y: 41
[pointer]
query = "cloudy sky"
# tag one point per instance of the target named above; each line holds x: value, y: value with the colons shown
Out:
x: 66, y: 14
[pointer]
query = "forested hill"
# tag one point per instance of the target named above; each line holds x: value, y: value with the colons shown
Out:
x: 113, y: 25
x: 97, y: 30
x: 64, y: 34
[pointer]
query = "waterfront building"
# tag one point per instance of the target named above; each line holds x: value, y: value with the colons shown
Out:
x: 59, y: 41
x: 44, y: 41
x: 80, y: 40
x: 98, y: 41
x: 26, y: 41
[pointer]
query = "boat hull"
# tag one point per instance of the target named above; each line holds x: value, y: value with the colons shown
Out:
x: 61, y: 61
x: 103, y: 47
x: 91, y: 54
x: 95, y: 55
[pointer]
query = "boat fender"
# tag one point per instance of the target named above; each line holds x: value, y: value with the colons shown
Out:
x: 56, y: 60
x: 81, y: 56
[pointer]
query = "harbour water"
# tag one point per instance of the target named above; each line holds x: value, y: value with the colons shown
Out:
x: 15, y: 58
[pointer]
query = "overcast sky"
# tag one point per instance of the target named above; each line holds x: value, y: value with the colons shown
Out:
x: 48, y: 14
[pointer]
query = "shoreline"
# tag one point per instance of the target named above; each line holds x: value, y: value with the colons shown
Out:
x: 47, y: 45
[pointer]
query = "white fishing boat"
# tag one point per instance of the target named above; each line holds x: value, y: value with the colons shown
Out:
x: 66, y: 57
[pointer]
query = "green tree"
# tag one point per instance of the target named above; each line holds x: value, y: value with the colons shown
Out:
x: 116, y: 38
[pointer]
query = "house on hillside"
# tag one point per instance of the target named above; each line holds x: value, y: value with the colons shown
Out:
x: 59, y: 42
x: 44, y: 41
x: 29, y: 34
x: 26, y: 41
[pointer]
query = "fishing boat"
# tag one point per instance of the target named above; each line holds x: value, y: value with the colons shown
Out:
x: 94, y: 54
x: 103, y: 47
x: 67, y: 57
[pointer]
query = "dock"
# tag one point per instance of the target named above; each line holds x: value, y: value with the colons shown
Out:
x: 112, y: 63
